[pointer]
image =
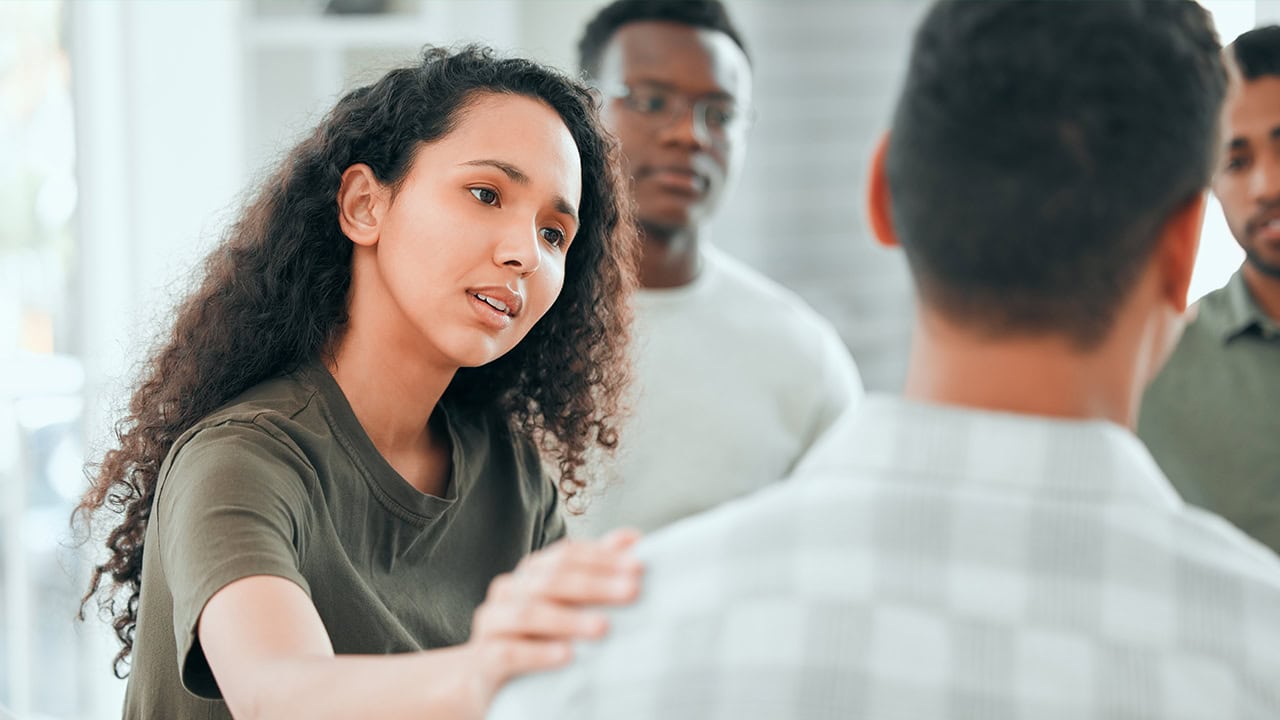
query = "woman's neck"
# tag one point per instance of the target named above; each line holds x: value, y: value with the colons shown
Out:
x: 393, y: 397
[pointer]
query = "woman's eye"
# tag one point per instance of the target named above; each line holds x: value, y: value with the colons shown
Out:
x: 554, y: 237
x: 485, y: 195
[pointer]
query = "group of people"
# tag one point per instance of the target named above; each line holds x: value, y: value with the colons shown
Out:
x: 474, y: 312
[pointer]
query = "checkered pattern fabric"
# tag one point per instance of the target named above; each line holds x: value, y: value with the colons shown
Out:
x: 932, y: 562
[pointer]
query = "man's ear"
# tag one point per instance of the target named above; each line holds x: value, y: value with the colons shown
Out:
x: 362, y: 201
x: 878, y: 212
x: 1176, y: 251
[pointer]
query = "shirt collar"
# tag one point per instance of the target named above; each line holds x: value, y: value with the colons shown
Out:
x: 678, y: 297
x: 1086, y: 460
x: 1241, y: 313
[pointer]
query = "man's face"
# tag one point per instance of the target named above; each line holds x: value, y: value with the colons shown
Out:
x: 667, y: 90
x: 1248, y: 182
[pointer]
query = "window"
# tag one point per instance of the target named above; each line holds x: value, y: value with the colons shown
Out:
x: 41, y: 455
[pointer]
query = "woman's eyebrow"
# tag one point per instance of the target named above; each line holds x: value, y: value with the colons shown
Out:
x: 563, y: 207
x: 516, y: 174
x: 519, y: 177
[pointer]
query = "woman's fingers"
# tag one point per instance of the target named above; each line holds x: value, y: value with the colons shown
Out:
x: 538, y: 619
x: 498, y: 660
x: 572, y: 572
x: 620, y: 539
x: 607, y: 554
x: 545, y: 598
x: 532, y: 615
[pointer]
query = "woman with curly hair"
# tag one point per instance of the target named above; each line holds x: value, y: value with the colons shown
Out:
x: 331, y: 470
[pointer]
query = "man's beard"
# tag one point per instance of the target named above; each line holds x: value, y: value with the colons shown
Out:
x: 1252, y: 257
x: 659, y: 233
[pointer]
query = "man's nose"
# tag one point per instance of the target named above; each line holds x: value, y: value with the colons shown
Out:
x: 687, y: 127
x: 1265, y: 185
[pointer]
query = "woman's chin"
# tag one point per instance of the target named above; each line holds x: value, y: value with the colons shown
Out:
x: 480, y: 356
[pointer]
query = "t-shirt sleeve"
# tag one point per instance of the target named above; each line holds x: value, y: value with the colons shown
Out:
x: 232, y: 504
x: 841, y: 384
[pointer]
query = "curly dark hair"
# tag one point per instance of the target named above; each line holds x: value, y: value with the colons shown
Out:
x: 273, y: 296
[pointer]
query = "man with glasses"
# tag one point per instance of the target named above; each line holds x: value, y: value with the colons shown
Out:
x: 735, y: 376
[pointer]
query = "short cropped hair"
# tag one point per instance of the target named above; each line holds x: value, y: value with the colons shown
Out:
x: 706, y: 14
x: 1257, y: 52
x: 1038, y: 149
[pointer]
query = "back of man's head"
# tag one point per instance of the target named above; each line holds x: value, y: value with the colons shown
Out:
x: 1257, y: 53
x: 705, y: 14
x: 1038, y: 149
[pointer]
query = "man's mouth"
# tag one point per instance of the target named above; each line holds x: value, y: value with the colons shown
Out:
x: 1267, y: 227
x: 678, y: 179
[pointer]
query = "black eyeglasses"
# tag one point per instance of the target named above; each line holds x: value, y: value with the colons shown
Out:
x: 715, y: 117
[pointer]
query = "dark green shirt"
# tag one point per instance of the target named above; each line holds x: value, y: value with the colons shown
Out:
x: 1212, y: 416
x: 285, y: 482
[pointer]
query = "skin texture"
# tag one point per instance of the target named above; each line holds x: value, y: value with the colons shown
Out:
x: 456, y: 226
x: 1248, y: 182
x: 491, y: 206
x: 272, y: 658
x: 1047, y: 374
x: 679, y: 177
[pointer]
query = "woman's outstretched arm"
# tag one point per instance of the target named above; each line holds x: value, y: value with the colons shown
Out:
x: 270, y: 653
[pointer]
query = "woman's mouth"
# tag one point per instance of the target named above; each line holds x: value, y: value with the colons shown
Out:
x: 493, y: 303
x: 495, y: 307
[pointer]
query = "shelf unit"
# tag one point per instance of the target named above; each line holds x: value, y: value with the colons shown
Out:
x: 297, y: 60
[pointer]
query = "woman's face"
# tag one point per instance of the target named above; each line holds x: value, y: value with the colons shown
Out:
x: 470, y: 251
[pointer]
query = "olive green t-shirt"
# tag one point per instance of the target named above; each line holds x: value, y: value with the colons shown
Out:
x: 1212, y: 417
x: 284, y: 481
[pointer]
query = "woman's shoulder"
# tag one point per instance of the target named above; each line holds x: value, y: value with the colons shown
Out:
x: 274, y: 419
x: 288, y: 395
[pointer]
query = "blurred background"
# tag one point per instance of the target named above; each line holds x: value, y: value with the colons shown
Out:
x: 131, y: 130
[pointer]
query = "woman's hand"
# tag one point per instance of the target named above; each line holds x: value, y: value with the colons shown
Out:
x: 272, y: 657
x: 532, y: 615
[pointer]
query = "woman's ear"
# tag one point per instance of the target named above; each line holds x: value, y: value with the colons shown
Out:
x: 362, y: 201
x: 878, y: 208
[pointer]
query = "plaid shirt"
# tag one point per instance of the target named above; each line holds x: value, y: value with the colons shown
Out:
x: 933, y: 562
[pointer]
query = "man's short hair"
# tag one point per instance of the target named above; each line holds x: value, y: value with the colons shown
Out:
x: 706, y: 14
x: 1038, y: 149
x: 1257, y: 52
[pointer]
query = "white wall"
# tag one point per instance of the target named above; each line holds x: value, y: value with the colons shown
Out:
x: 159, y: 125
x: 827, y: 74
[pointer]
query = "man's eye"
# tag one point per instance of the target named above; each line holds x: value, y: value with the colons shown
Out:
x: 485, y: 195
x: 650, y: 102
x: 553, y: 237
x: 720, y: 115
